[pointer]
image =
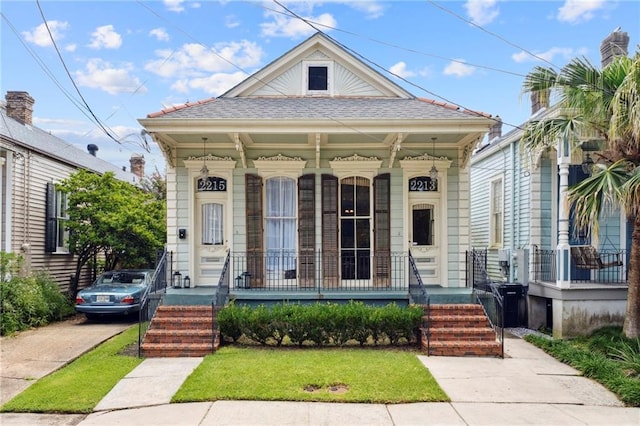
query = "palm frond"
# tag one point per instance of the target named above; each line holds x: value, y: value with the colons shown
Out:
x: 598, y: 195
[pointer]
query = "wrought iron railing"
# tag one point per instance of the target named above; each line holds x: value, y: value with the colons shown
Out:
x: 615, y: 271
x: 152, y: 296
x: 415, y: 280
x: 486, y: 292
x: 319, y: 271
x: 218, y: 302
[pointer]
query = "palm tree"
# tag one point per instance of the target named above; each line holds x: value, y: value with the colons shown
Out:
x: 603, y: 106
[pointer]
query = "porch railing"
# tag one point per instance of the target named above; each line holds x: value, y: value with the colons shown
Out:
x: 486, y: 292
x: 319, y: 271
x: 544, y: 268
x: 218, y: 302
x: 152, y: 297
x: 425, y: 299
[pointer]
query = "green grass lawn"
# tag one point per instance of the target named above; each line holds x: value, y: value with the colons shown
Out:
x: 337, y: 375
x: 79, y: 386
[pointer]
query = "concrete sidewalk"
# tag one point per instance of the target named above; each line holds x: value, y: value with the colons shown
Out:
x: 527, y: 387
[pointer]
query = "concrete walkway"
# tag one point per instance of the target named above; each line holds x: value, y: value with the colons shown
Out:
x: 528, y: 387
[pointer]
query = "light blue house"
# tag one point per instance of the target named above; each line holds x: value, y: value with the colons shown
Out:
x: 520, y: 216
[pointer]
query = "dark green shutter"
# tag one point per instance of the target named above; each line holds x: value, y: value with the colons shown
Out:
x: 50, y: 243
x: 307, y: 229
x: 330, y: 252
x: 382, y: 230
x: 255, y: 264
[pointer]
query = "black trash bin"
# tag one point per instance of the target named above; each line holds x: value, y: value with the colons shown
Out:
x: 515, y: 307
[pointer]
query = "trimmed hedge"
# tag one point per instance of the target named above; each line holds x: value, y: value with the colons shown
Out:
x: 321, y: 324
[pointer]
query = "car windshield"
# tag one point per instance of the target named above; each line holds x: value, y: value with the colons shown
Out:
x: 122, y: 278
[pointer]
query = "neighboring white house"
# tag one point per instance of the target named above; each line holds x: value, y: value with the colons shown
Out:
x: 318, y: 173
x: 32, y: 211
x: 520, y: 216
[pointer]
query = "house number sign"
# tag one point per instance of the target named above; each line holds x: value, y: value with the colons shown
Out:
x: 212, y: 184
x: 422, y: 184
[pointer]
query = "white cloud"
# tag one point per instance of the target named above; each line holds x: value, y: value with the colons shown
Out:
x: 105, y: 37
x: 231, y: 21
x: 102, y: 75
x: 71, y: 47
x: 576, y: 11
x: 482, y: 12
x: 195, y: 60
x: 400, y: 69
x: 40, y: 36
x: 160, y: 34
x: 285, y: 26
x: 174, y: 5
x: 459, y: 69
x: 214, y: 84
x: 549, y: 55
x: 372, y: 9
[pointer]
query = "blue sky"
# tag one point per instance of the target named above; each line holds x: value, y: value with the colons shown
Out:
x: 131, y: 58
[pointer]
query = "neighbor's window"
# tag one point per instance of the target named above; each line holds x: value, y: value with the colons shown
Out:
x: 497, y: 217
x: 57, y: 234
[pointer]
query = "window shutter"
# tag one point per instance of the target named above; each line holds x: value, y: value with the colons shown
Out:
x: 307, y: 229
x: 330, y: 254
x: 50, y: 244
x: 382, y: 230
x: 255, y: 263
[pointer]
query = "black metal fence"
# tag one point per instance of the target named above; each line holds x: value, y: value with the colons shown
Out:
x: 319, y: 271
x: 609, y: 267
x: 153, y: 294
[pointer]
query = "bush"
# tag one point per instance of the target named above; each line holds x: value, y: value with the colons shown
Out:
x: 31, y: 302
x: 321, y: 324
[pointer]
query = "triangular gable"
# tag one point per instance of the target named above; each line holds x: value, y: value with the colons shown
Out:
x: 348, y: 76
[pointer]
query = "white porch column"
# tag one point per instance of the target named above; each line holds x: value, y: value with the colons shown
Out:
x: 563, y: 250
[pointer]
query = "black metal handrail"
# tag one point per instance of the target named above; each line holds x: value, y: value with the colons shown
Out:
x: 218, y: 300
x: 416, y: 280
x: 152, y: 297
x: 544, y: 268
x: 486, y: 293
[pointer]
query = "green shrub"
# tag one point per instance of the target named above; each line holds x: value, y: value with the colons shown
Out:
x: 31, y: 302
x: 320, y: 324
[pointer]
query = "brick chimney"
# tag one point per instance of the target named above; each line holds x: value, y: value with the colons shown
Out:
x: 137, y: 165
x: 20, y: 106
x: 539, y: 100
x: 615, y: 44
x: 496, y: 130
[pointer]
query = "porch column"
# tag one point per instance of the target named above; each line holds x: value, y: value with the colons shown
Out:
x: 563, y: 250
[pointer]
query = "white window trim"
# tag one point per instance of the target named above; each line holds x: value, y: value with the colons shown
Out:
x: 356, y: 166
x: 305, y: 79
x: 279, y: 165
x: 61, y: 248
x: 492, y: 242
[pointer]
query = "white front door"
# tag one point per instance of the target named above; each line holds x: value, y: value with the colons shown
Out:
x: 210, y: 242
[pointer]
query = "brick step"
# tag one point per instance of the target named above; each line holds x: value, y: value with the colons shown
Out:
x: 155, y: 335
x: 462, y: 334
x: 456, y: 309
x: 463, y: 348
x: 181, y: 323
x: 457, y: 321
x: 172, y: 350
x: 183, y: 311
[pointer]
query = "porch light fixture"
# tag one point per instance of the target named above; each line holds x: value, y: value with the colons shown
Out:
x: 587, y: 164
x: 204, y: 171
x: 433, y: 173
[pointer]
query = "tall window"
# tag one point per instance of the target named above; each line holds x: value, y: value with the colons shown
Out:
x: 423, y: 224
x: 212, y: 224
x: 280, y: 232
x: 497, y: 216
x: 355, y: 228
x: 57, y: 234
